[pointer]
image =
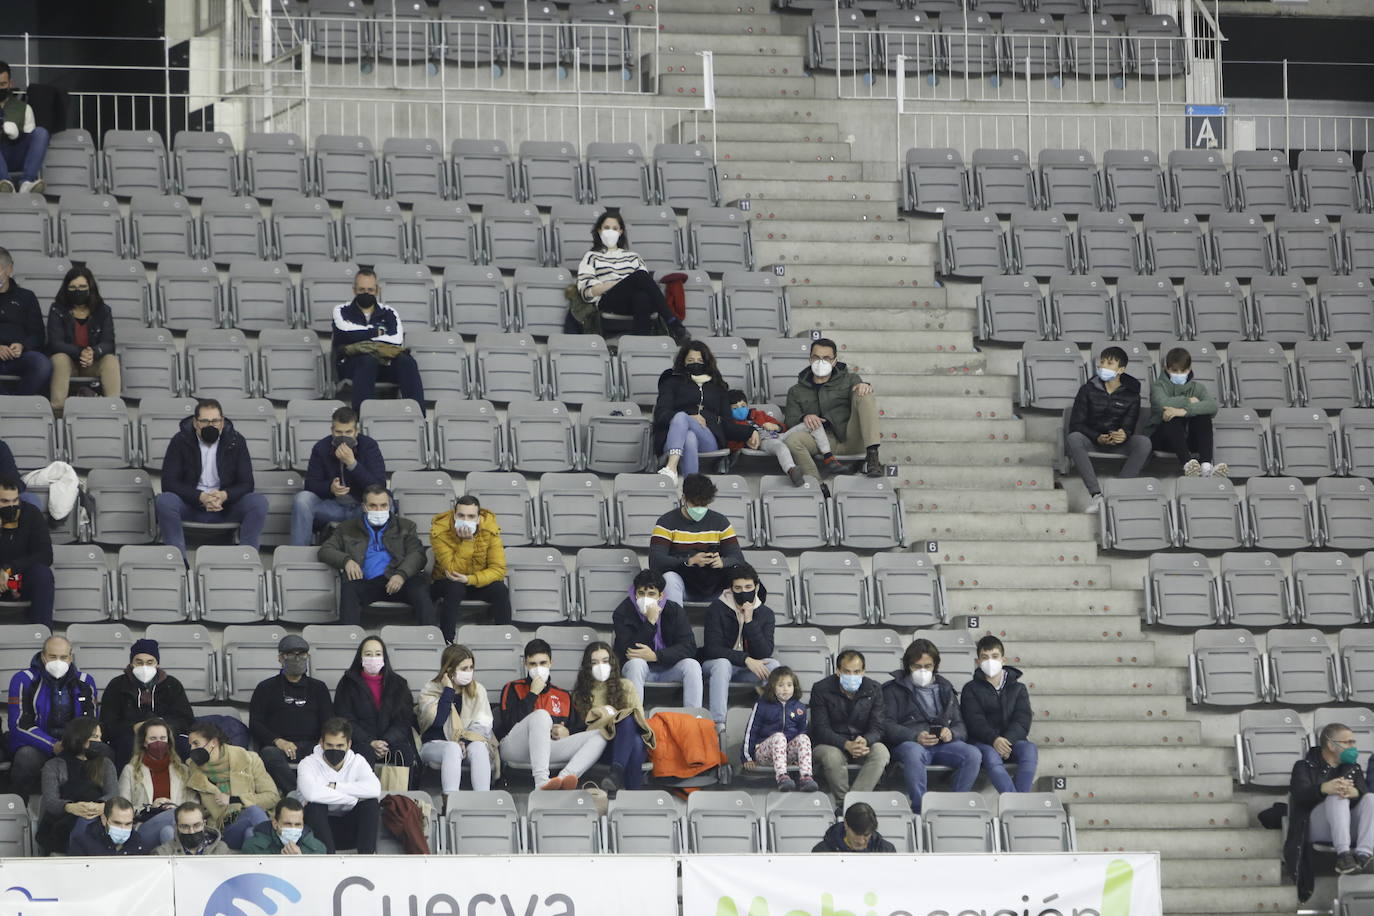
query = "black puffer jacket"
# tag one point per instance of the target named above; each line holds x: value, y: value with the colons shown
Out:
x: 905, y: 717
x: 1097, y: 411
x: 181, y: 466
x: 677, y: 393
x: 837, y: 718
x: 990, y: 713
x: 393, y: 723
x: 99, y: 326
x: 1304, y: 794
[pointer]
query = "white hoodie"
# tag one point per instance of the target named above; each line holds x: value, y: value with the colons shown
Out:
x: 352, y: 781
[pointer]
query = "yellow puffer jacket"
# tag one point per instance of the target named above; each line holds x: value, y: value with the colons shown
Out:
x: 481, y: 558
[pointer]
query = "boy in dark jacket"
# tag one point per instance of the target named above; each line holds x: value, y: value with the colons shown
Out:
x: 1104, y: 417
x: 848, y: 725
x: 284, y: 835
x: 858, y: 832
x: 1180, y: 421
x: 342, y: 465
x: 923, y: 722
x: 538, y: 727
x: 111, y: 834
x: 144, y: 691
x: 380, y: 557
x: 829, y: 395
x: 287, y: 713
x: 693, y: 545
x: 738, y: 646
x: 25, y: 552
x: 654, y: 640
x: 1329, y: 802
x: 207, y: 476
x: 997, y: 715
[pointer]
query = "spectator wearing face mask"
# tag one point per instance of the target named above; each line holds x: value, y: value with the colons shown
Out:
x: 341, y: 792
x: 76, y: 783
x: 375, y: 699
x: 608, y: 703
x: 81, y: 338
x: 848, y: 725
x: 143, y: 691
x: 693, y: 545
x: 25, y: 551
x: 538, y: 726
x: 380, y: 557
x: 194, y: 835
x: 342, y: 465
x: 738, y: 646
x: 285, y: 835
x: 1181, y: 412
x: 369, y: 345
x: 44, y: 699
x: 924, y: 724
x: 612, y: 278
x: 692, y: 411
x: 231, y: 782
x: 456, y: 723
x: 997, y: 714
x: 1329, y: 802
x: 831, y: 397
x: 1104, y: 417
x: 776, y: 732
x: 768, y: 435
x: 287, y: 712
x: 23, y: 144
x: 469, y: 563
x: 21, y: 333
x: 112, y: 834
x: 207, y: 476
x: 654, y: 640
x: 155, y: 781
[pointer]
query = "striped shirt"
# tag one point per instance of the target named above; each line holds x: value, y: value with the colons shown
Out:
x: 605, y: 267
x: 676, y: 537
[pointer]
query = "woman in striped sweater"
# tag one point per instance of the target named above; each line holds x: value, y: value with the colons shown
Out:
x: 617, y: 280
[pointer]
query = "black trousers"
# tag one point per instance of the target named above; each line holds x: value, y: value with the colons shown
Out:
x: 352, y: 829
x: 639, y: 297
x: 355, y: 594
x: 276, y: 764
x: 451, y: 593
x: 366, y: 371
x: 1185, y: 437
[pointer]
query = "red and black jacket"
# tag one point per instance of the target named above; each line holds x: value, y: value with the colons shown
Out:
x: 517, y: 702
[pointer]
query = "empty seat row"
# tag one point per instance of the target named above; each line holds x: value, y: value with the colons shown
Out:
x: 1135, y: 182
x: 1227, y: 667
x: 1012, y: 309
x: 343, y: 167
x: 1207, y: 513
x: 1083, y: 44
x: 1270, y: 741
x: 991, y: 7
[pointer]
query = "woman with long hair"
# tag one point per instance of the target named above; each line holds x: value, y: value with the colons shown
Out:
x: 81, y: 337
x: 155, y: 781
x: 456, y: 723
x: 376, y: 699
x: 608, y: 703
x: 76, y: 783
x: 613, y: 278
x: 692, y: 412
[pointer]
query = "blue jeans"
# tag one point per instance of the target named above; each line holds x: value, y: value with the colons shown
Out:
x: 25, y: 154
x: 720, y: 674
x: 1024, y: 754
x: 915, y: 757
x: 687, y: 437
x: 238, y: 831
x: 627, y: 751
x: 686, y: 672
x: 33, y: 369
x: 310, y: 510
x: 249, y: 512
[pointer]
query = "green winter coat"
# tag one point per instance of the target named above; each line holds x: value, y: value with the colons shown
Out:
x: 831, y: 401
x: 1164, y: 393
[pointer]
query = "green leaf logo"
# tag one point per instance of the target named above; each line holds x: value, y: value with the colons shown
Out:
x: 1116, y: 890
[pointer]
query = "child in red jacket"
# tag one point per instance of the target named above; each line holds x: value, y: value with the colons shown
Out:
x: 768, y: 436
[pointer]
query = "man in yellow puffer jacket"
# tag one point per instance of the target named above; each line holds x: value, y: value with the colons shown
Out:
x: 469, y: 563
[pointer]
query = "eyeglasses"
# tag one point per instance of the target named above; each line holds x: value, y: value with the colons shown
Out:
x: 218, y: 421
x: 1351, y: 743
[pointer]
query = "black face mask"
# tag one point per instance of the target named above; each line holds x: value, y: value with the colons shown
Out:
x: 5, y: 94
x: 365, y: 301
x: 9, y: 514
x: 350, y: 441
x: 97, y: 749
x: 191, y: 841
x: 209, y: 435
x: 743, y: 598
x: 334, y: 755
x: 78, y: 296
x: 199, y: 756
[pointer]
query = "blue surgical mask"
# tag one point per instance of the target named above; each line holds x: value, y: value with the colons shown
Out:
x: 1106, y: 374
x: 1178, y: 378
x: 850, y: 683
x: 291, y: 834
x: 739, y: 413
x: 120, y: 835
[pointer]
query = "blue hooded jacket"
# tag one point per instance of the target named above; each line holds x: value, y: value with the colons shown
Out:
x: 30, y: 702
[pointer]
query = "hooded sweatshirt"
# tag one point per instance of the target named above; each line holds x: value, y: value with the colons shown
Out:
x: 352, y: 781
x: 670, y: 637
x: 833, y: 841
x: 1164, y: 393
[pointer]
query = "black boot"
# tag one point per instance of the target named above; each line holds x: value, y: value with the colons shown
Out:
x: 873, y: 465
x: 612, y: 783
x: 678, y: 331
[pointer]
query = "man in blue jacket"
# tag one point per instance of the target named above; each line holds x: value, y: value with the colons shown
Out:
x: 368, y: 342
x: 342, y: 465
x: 207, y: 476
x: 111, y: 834
x: 997, y: 714
x: 43, y: 698
x: 923, y: 723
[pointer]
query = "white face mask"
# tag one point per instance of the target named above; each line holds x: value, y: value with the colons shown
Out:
x: 540, y: 673
x: 609, y: 237
x: 145, y: 673
x: 463, y: 678
x: 601, y: 672
x: 461, y: 524
x: 57, y: 669
x: 646, y: 603
x: 820, y: 368
x: 378, y: 517
x: 991, y: 666
x: 922, y: 677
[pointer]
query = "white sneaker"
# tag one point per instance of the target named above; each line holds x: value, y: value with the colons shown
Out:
x: 1207, y: 469
x: 6, y: 186
x: 1192, y: 468
x: 1095, y: 506
x: 32, y: 187
x: 1220, y: 469
x: 669, y: 473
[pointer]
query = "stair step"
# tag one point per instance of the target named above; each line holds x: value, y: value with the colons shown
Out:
x: 777, y: 131
x: 798, y: 163
x: 985, y: 576
x: 808, y: 292
x: 1115, y: 631
x: 861, y: 348
x: 729, y: 87
x: 870, y: 276
x: 743, y: 158
x: 897, y: 409
x: 1188, y: 761
x: 1053, y: 598
x: 879, y: 211
x: 792, y: 189
x: 936, y: 501
x: 1011, y: 477
x: 1094, y: 679
x: 1145, y: 789
x: 1217, y: 843
x: 1007, y: 526
x: 684, y: 64
x: 1076, y: 555
x: 831, y: 321
x: 934, y: 451
x: 829, y: 230
x: 890, y: 255
x: 753, y: 8
x: 768, y: 45
x: 1245, y: 874
x: 952, y: 360
x: 1114, y: 708
x: 1069, y: 733
x: 1217, y: 900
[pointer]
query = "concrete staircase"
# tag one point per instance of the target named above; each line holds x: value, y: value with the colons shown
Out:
x: 1142, y: 771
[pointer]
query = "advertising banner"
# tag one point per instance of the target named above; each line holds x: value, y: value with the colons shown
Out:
x: 86, y: 887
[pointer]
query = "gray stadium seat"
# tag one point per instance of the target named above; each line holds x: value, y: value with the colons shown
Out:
x: 1225, y: 669
x: 1027, y: 35
x: 1107, y: 244
x: 615, y: 437
x: 402, y: 31
x: 1155, y: 46
x: 275, y: 166
x: 957, y: 822
x: 292, y: 365
x: 30, y: 431
x: 443, y: 234
x: 134, y: 161
x: 568, y: 228
x: 1148, y: 310
x: 205, y: 163
x: 1360, y: 721
x: 912, y: 34
x: 1255, y: 590
x: 1345, y: 308
x: 541, y: 436
x: 972, y: 245
x: 540, y: 588
x: 550, y: 173
x: 796, y: 820
x: 1080, y: 308
x: 475, y: 300
x: 414, y: 652
x: 1009, y: 310
x: 1093, y: 46
x: 83, y: 587
x: 846, y: 49
x: 1181, y: 591
x: 345, y: 167
x: 882, y: 648
x: 1269, y: 742
x: 834, y: 590
x: 123, y: 501
x: 1198, y: 182
x: 400, y: 430
x: 1035, y: 822
x: 159, y: 419
x: 189, y: 296
x: 1279, y: 513
x: 304, y: 590
x: 567, y: 640
x: 483, y: 172
x: 508, y: 367
x: 161, y: 228
x: 685, y: 176
x: 657, y: 238
x: 792, y: 518
x: 1041, y: 243
x: 564, y: 822
x: 572, y: 510
x: 16, y: 827
x: 1304, y: 442
x: 868, y: 514
x: 1357, y: 242
x: 718, y: 239
x: 1328, y: 376
x: 101, y: 649
x: 1240, y: 245
x: 1260, y: 376
x: 1326, y: 182
x: 645, y: 821
x: 421, y: 495
x: 43, y: 275
x: 28, y: 229
x: 96, y: 433
x: 442, y: 361
x: 638, y: 500
x: 71, y: 165
x: 332, y: 648
x: 513, y: 235
x: 724, y: 822
x: 1344, y: 516
x: 482, y: 823
x: 579, y: 368
x: 468, y: 436
x: 232, y: 228
x: 338, y: 30
x: 90, y: 226
x: 1215, y: 308
x: 507, y: 496
x: 754, y: 306
x: 1357, y: 441
x: 1068, y: 181
x: 231, y: 586
x: 1050, y: 374
x: 639, y: 363
x: 537, y: 39
x: 261, y: 297
x: 1133, y: 180
x: 1136, y: 515
x: 617, y: 174
x: 1357, y: 660
x: 250, y: 656
x: 189, y: 651
x: 1209, y: 514
x: 971, y: 44
x: 934, y: 179
x: 1174, y: 245
x: 1002, y: 181
x: 372, y: 231
x: 413, y: 170
x: 1302, y: 666
x: 409, y: 289
x: 219, y: 364
x: 541, y: 304
x: 1327, y: 590
x: 279, y: 488
x: 303, y: 230
x: 307, y: 421
x: 907, y: 591
x: 1262, y: 181
x: 805, y: 651
x: 601, y: 579
x: 1304, y: 245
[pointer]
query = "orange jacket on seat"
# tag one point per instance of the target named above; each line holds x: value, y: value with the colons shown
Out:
x: 684, y: 745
